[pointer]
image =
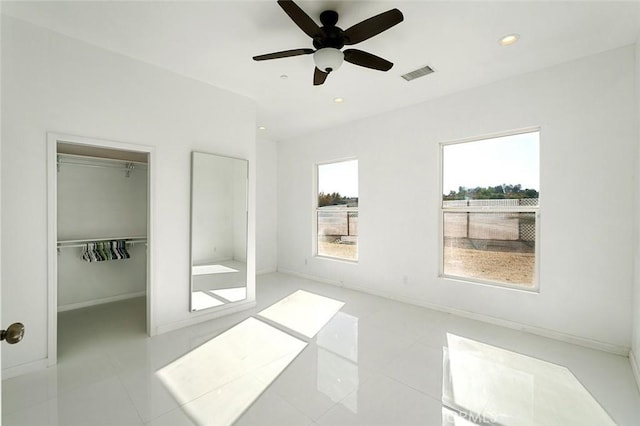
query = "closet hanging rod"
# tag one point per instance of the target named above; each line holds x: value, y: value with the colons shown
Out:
x: 85, y: 158
x: 103, y: 163
x: 81, y: 243
x: 98, y: 166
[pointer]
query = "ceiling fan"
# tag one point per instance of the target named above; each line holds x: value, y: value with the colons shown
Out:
x: 329, y: 39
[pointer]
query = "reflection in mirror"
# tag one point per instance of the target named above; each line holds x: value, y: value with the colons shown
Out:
x: 218, y: 230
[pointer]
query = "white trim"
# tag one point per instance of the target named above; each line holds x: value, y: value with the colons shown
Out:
x: 101, y: 301
x: 30, y: 367
x: 635, y: 367
x: 52, y: 231
x: 151, y: 247
x: 552, y: 334
x: 488, y: 283
x: 52, y: 252
x: 483, y: 209
x: 197, y: 319
x: 336, y: 259
x: 440, y: 215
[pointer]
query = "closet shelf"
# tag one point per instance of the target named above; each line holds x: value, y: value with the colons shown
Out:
x: 80, y: 243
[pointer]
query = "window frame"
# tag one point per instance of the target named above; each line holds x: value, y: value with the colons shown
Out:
x: 535, y: 286
x: 315, y: 209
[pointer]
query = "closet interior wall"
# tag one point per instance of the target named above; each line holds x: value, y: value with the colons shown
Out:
x: 100, y: 199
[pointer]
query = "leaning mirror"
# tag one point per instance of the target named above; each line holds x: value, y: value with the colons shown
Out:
x: 218, y: 230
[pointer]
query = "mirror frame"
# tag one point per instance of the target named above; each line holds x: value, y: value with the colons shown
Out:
x: 248, y: 298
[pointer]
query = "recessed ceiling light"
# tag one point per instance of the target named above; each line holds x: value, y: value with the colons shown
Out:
x: 338, y: 100
x: 284, y: 76
x: 262, y: 128
x: 509, y: 39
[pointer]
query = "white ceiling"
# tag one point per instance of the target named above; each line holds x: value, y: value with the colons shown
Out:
x: 214, y: 41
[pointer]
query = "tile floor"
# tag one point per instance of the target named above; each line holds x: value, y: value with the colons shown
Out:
x: 376, y: 362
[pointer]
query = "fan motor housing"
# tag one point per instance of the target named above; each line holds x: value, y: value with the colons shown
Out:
x: 331, y: 37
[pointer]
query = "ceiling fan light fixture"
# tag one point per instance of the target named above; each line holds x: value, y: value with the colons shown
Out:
x: 328, y: 59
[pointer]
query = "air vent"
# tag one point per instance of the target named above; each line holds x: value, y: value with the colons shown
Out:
x: 420, y: 72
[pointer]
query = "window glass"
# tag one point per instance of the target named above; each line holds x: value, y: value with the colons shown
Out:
x: 490, y: 199
x: 337, y: 210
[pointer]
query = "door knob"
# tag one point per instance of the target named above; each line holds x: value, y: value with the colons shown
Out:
x: 13, y: 334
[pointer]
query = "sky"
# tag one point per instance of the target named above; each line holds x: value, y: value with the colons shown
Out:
x: 507, y: 160
x: 339, y: 177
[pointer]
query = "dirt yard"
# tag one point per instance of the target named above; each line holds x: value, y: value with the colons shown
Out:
x: 333, y: 249
x: 513, y: 264
x: 506, y: 262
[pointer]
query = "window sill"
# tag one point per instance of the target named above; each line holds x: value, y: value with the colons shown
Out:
x: 533, y: 289
x: 337, y: 259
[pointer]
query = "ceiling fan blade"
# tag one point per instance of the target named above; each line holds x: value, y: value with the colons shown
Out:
x: 372, y: 26
x: 319, y: 77
x: 283, y: 54
x: 365, y: 59
x: 300, y: 18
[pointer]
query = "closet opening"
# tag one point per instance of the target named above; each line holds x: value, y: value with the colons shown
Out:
x: 99, y: 232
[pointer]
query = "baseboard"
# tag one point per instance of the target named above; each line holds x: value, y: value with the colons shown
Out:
x: 203, y: 316
x: 552, y: 334
x: 19, y: 370
x: 323, y: 280
x: 94, y: 302
x: 635, y: 367
x: 266, y: 271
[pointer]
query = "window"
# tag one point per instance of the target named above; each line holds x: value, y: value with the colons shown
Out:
x: 490, y: 199
x: 337, y: 210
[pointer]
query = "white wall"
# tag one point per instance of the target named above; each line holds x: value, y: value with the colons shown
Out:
x: 267, y: 207
x: 100, y: 202
x: 52, y: 83
x: 586, y: 111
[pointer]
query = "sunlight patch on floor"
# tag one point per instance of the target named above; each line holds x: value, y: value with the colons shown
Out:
x: 216, y: 382
x: 220, y: 379
x: 487, y: 384
x: 303, y: 312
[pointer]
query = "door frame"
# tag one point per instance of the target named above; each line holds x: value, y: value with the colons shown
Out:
x: 52, y: 230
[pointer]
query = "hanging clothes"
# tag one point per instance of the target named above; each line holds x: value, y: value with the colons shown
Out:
x: 101, y: 251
